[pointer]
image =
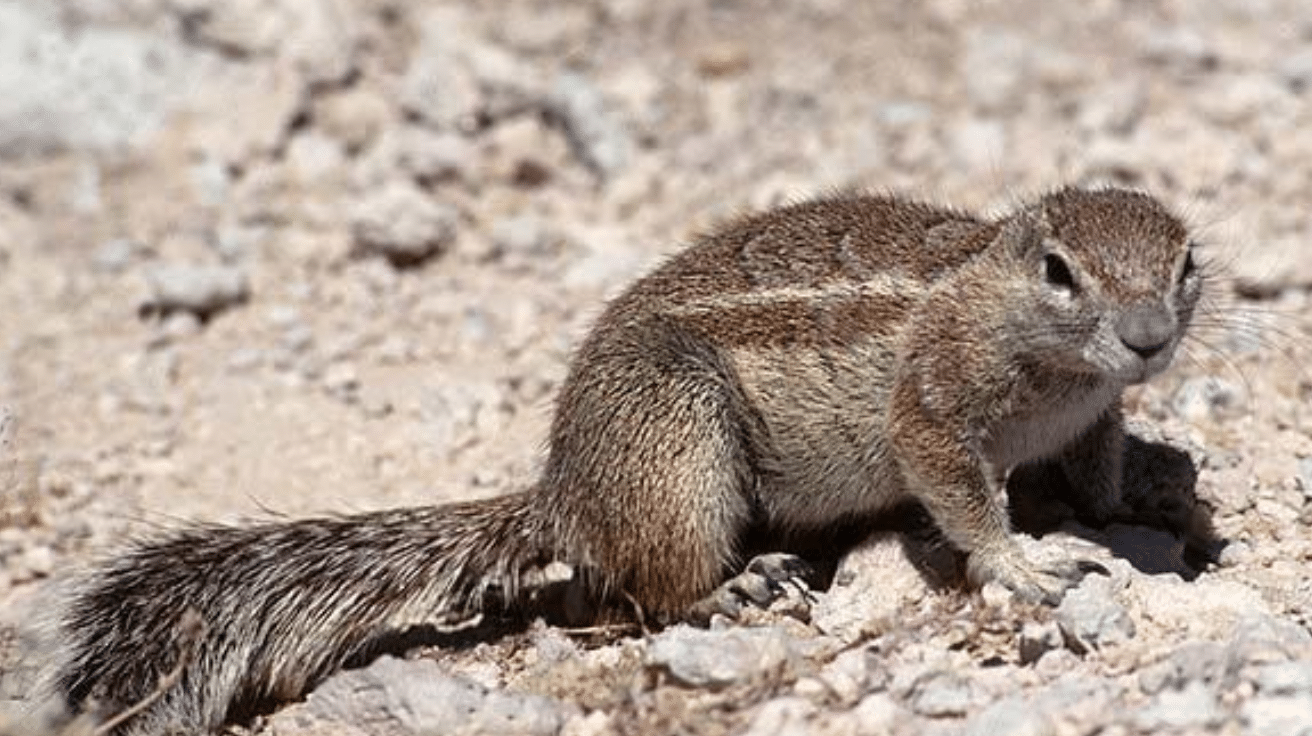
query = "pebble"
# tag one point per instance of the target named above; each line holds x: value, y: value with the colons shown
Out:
x: 596, y: 136
x: 785, y: 716
x: 1305, y: 477
x: 1192, y: 706
x: 430, y: 156
x: 942, y: 693
x: 1037, y: 639
x: 1012, y: 716
x: 403, y: 224
x: 1202, y: 661
x: 878, y: 713
x: 1277, y: 716
x: 847, y: 676
x: 37, y: 561
x: 202, y: 290
x: 413, y: 696
x: 438, y: 85
x: 356, y: 117
x: 1091, y: 618
x: 717, y: 658
x: 1285, y: 678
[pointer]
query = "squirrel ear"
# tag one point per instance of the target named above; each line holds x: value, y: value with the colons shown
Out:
x: 1023, y: 233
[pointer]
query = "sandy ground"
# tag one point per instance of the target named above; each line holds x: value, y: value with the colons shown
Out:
x: 399, y: 217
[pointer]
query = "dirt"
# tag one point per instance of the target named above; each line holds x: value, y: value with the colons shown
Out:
x: 377, y: 357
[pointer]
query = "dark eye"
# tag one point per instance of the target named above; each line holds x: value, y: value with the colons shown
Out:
x: 1057, y: 272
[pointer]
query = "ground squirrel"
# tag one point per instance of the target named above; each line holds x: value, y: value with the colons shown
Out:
x: 795, y: 370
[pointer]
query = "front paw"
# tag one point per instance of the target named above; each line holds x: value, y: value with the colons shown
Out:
x: 1029, y: 582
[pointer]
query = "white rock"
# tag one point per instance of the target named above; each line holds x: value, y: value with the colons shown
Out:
x: 783, y: 717
x: 403, y: 224
x: 199, y: 289
x: 1091, y: 618
x: 100, y: 87
x: 438, y: 86
x: 596, y: 135
x: 1193, y: 706
x: 393, y: 696
x: 1278, y: 716
x: 711, y: 658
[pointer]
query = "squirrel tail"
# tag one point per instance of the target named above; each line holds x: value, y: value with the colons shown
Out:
x: 213, y: 624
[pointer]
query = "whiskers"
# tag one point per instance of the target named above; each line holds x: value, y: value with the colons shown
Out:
x: 1234, y: 333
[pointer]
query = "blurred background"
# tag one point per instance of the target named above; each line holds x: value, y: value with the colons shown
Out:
x: 290, y: 256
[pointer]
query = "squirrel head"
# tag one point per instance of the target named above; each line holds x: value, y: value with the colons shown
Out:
x: 1111, y: 280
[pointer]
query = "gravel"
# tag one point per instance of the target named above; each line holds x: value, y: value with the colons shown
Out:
x: 271, y: 172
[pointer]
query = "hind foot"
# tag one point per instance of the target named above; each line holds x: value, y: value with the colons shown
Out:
x: 771, y: 581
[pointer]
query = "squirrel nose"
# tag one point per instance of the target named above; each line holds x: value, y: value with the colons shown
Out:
x: 1146, y: 329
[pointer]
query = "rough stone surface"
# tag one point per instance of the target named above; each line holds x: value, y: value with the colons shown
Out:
x: 403, y: 224
x: 395, y: 696
x: 198, y: 289
x: 1091, y: 618
x: 257, y: 170
x: 718, y: 658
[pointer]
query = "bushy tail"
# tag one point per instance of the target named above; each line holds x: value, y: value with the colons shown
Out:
x: 281, y: 605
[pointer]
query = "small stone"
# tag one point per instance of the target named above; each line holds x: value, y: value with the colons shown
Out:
x: 1201, y: 661
x: 341, y: 379
x: 877, y: 714
x: 783, y: 717
x: 210, y: 180
x: 314, y: 156
x: 432, y: 157
x: 201, y: 290
x: 180, y: 325
x: 1277, y: 716
x: 297, y: 339
x: 1305, y: 477
x: 596, y: 723
x: 942, y: 693
x: 1285, y: 678
x: 703, y: 658
x: 995, y: 595
x: 1055, y: 663
x: 1012, y: 716
x: 356, y: 117
x: 1237, y: 552
x: 1192, y: 706
x: 847, y: 676
x: 1037, y: 639
x: 596, y: 136
x: 403, y: 224
x: 439, y: 86
x: 37, y: 561
x: 1090, y: 617
x: 414, y: 696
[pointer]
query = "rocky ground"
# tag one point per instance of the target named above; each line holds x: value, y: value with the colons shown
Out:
x: 276, y: 257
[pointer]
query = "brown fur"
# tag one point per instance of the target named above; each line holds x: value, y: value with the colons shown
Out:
x: 795, y: 370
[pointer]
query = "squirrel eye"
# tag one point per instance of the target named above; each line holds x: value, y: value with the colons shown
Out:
x: 1057, y: 272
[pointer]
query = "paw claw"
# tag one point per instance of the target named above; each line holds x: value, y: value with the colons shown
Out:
x: 765, y: 580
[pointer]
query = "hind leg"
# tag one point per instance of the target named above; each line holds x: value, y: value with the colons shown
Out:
x: 650, y: 472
